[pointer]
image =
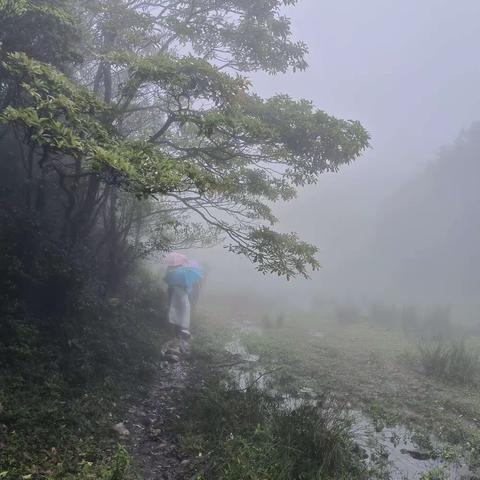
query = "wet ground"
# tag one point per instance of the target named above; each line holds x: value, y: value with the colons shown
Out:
x: 159, y: 455
x: 390, y: 449
x: 156, y: 451
x: 404, y: 458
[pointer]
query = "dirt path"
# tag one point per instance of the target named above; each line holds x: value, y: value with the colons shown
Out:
x: 155, y: 450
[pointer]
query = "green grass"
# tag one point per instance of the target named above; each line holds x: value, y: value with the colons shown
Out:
x: 452, y: 361
x: 250, y: 435
x: 59, y: 398
x: 54, y: 431
x: 437, y: 473
x: 375, y: 369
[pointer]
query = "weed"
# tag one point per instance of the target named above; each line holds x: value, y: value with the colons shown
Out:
x: 59, y: 396
x: 437, y: 473
x: 453, y: 362
x: 473, y: 449
x: 251, y: 435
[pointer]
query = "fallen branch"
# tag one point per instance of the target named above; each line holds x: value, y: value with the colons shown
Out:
x: 259, y: 378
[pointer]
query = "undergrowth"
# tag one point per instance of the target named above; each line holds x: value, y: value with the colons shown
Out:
x: 451, y: 361
x: 251, y: 435
x: 62, y: 389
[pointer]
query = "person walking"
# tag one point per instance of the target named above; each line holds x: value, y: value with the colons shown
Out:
x: 179, y: 308
x: 178, y: 301
x: 181, y: 279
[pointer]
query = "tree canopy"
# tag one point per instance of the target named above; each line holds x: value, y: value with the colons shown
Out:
x: 143, y: 115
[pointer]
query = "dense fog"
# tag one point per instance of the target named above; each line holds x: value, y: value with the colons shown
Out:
x: 399, y: 225
x: 239, y: 240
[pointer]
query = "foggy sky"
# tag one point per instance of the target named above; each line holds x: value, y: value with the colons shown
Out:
x: 409, y: 71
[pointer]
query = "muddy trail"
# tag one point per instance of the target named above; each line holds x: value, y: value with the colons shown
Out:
x: 158, y: 454
x: 148, y: 435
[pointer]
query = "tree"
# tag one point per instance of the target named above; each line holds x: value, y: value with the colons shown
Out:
x: 171, y: 123
x: 42, y: 29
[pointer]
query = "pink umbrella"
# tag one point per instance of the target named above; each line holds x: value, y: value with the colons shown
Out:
x: 193, y: 264
x: 175, y: 259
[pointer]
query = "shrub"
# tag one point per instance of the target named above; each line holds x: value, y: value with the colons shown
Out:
x: 453, y: 361
x: 252, y: 435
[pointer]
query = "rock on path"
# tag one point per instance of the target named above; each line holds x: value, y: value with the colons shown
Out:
x: 156, y: 451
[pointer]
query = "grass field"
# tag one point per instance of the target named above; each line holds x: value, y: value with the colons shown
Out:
x: 372, y: 368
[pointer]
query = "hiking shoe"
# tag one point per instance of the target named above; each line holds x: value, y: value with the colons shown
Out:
x: 186, y: 333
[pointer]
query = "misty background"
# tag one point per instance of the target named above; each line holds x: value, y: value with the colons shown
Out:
x: 400, y: 225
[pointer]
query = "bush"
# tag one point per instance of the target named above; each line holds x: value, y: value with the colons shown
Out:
x: 67, y: 355
x: 252, y: 435
x: 453, y: 361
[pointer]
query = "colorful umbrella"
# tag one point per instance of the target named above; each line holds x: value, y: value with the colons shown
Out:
x: 175, y: 259
x: 184, y: 276
x: 194, y: 264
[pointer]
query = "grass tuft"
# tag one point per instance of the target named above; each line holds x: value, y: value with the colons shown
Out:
x: 251, y: 434
x: 454, y: 361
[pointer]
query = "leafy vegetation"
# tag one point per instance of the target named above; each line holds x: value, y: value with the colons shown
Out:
x: 373, y: 368
x: 452, y: 361
x: 178, y: 130
x: 62, y: 392
x: 251, y: 434
x: 437, y: 473
x: 129, y: 128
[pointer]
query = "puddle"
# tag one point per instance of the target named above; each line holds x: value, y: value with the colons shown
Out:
x: 248, y: 372
x: 405, y: 459
x: 236, y: 348
x: 391, y: 447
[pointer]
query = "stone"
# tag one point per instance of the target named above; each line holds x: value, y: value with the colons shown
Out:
x: 155, y: 433
x: 121, y: 429
x: 416, y: 454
